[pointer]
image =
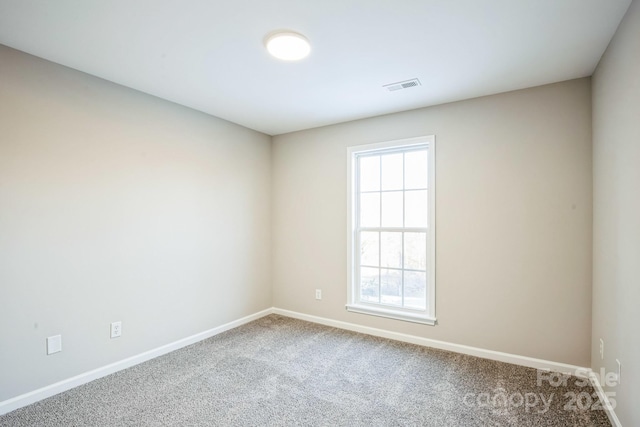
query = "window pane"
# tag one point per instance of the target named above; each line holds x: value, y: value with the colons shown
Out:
x: 392, y: 172
x: 391, y: 287
x: 370, y: 173
x: 415, y: 251
x: 391, y: 250
x: 415, y: 290
x: 392, y: 209
x: 390, y: 237
x: 415, y: 169
x: 370, y: 209
x: 369, y: 280
x: 415, y: 208
x: 369, y: 248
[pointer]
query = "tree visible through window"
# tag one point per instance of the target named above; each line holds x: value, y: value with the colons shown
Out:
x: 390, y: 231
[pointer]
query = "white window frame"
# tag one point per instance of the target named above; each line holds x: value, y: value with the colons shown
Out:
x: 427, y: 316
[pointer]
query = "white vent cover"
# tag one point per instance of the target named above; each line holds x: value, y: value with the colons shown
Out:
x: 402, y: 85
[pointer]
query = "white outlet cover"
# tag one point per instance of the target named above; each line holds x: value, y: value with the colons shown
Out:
x: 54, y: 344
x: 601, y: 348
x: 116, y: 329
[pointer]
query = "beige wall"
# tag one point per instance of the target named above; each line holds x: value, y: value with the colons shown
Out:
x: 115, y: 205
x: 616, y: 214
x: 513, y: 220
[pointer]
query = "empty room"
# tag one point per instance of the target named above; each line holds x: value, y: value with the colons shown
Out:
x: 335, y: 213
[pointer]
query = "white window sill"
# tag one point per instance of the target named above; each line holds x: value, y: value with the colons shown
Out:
x: 391, y: 314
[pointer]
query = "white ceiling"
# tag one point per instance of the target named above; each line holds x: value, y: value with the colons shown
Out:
x: 209, y: 54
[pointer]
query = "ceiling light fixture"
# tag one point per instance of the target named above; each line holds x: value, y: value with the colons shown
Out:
x: 288, y: 46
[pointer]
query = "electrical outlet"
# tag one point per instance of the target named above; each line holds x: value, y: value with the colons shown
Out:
x: 619, y: 370
x: 601, y: 349
x: 116, y: 329
x: 54, y: 344
x: 318, y: 293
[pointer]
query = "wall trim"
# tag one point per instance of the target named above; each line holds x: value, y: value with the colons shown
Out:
x: 442, y: 345
x: 69, y: 383
x: 606, y: 403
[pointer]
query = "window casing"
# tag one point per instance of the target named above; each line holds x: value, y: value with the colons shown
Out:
x: 391, y: 229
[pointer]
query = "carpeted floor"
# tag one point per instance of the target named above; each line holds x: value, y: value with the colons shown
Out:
x: 279, y: 371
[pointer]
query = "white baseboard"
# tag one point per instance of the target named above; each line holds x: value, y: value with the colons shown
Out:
x: 442, y: 345
x: 67, y: 384
x: 64, y: 385
x: 606, y: 403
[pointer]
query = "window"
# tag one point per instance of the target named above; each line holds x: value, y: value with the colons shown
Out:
x: 391, y: 229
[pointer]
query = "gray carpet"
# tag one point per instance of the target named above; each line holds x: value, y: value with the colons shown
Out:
x: 279, y: 371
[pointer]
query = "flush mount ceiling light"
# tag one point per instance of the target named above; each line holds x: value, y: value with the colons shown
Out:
x: 288, y: 46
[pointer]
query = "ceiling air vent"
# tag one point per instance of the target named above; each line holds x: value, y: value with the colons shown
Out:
x: 402, y: 85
